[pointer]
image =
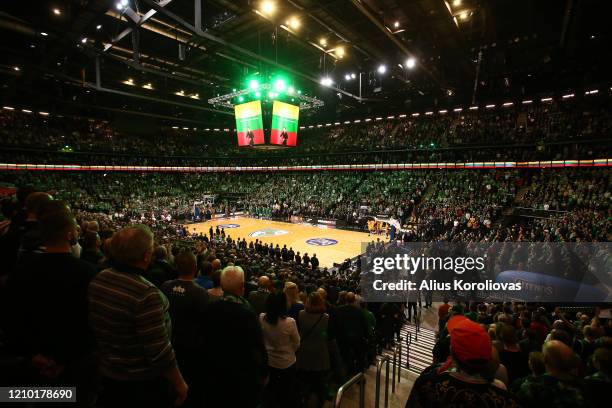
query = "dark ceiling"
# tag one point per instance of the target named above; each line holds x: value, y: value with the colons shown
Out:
x: 524, y: 47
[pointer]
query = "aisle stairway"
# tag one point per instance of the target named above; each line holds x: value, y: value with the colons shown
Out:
x: 420, y: 353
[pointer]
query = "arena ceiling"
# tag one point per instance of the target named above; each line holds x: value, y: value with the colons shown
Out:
x: 137, y: 55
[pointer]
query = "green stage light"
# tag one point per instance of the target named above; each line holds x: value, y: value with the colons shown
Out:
x: 291, y: 90
x: 258, y: 94
x: 241, y: 99
x: 234, y: 90
x: 272, y: 94
x: 279, y: 84
x: 299, y: 92
x: 253, y: 84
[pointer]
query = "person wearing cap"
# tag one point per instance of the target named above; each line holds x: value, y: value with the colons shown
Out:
x: 463, y: 379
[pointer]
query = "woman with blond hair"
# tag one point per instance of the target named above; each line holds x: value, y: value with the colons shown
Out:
x: 294, y: 304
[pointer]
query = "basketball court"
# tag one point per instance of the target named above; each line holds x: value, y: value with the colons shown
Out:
x: 330, y: 244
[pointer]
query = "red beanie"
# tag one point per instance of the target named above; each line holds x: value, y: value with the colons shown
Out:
x: 469, y: 341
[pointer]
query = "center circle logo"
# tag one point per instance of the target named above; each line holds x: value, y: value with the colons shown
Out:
x: 268, y: 232
x: 321, y: 241
x: 226, y: 226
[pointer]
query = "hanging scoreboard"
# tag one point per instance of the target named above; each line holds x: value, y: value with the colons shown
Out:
x: 249, y: 124
x: 284, y: 124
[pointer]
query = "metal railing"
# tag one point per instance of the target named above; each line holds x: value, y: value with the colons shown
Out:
x: 408, y: 344
x: 397, y: 363
x: 358, y: 378
x: 379, y: 363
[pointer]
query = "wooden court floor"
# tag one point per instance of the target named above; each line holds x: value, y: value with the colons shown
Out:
x: 330, y: 244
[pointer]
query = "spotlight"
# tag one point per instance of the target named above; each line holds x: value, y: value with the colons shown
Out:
x: 382, y: 69
x: 353, y: 76
x: 340, y: 52
x: 293, y: 23
x: 241, y: 99
x: 291, y: 90
x: 119, y: 6
x: 267, y: 7
x: 456, y: 3
x: 464, y: 15
x: 410, y: 62
x: 323, y: 42
x: 57, y: 11
x: 43, y: 34
x: 347, y: 77
x: 84, y: 40
x: 16, y: 69
x: 148, y: 86
x: 258, y: 94
x: 396, y: 24
x: 326, y: 81
x: 99, y: 27
x: 124, y: 3
x: 280, y: 85
x: 253, y: 84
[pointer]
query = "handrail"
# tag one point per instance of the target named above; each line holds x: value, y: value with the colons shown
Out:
x: 399, y: 358
x: 408, y: 344
x: 379, y: 363
x: 394, y: 368
x: 358, y: 378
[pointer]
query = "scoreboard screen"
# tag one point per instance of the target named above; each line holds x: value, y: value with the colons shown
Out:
x: 284, y: 124
x: 249, y: 124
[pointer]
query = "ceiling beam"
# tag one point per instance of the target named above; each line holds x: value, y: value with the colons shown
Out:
x: 137, y: 19
x: 199, y: 32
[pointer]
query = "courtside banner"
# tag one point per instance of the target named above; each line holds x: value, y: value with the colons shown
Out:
x: 487, y: 272
x: 249, y: 124
x: 284, y: 124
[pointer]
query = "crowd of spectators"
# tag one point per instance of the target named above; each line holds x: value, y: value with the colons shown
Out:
x: 559, y: 130
x: 431, y: 204
x: 96, y: 285
x: 123, y: 317
x: 104, y: 284
x: 513, y: 354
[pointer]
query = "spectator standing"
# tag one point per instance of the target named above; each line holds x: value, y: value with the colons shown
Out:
x: 49, y: 297
x: 233, y: 357
x: 313, y: 363
x: 188, y: 302
x: 258, y: 298
x: 294, y: 304
x: 351, y: 332
x: 160, y: 269
x: 462, y: 379
x: 130, y: 319
x: 282, y: 341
